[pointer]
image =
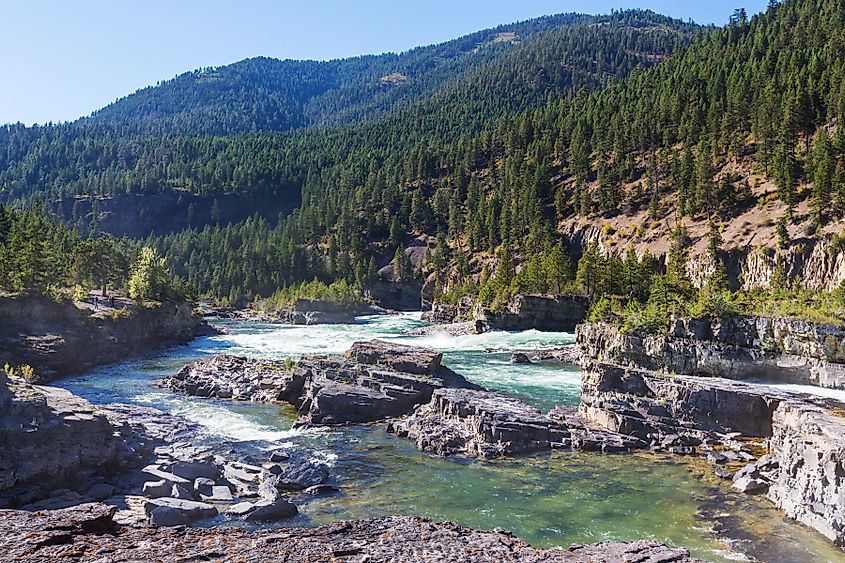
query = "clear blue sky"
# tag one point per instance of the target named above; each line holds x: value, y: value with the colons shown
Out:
x: 63, y: 59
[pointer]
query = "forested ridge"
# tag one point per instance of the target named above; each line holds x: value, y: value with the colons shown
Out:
x: 619, y: 116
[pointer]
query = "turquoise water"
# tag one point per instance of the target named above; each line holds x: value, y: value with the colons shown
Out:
x: 549, y: 500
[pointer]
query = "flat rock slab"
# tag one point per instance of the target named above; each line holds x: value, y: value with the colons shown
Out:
x: 63, y: 536
x: 190, y: 510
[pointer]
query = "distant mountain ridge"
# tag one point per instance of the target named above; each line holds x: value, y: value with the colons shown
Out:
x: 263, y: 94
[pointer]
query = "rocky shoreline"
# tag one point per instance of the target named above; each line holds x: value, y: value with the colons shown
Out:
x: 787, y: 446
x: 89, y: 533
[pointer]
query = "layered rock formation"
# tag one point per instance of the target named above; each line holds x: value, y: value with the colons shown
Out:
x: 88, y: 533
x: 373, y: 381
x: 739, y: 347
x: 804, y: 475
x: 234, y: 377
x: 484, y: 424
x: 50, y: 439
x: 58, y: 339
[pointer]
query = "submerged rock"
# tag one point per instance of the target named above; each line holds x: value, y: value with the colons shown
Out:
x: 520, y: 358
x: 301, y: 475
x: 88, y: 529
x: 269, y: 511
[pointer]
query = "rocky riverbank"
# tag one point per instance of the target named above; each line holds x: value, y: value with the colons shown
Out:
x: 788, y: 446
x: 736, y: 347
x: 559, y: 313
x: 89, y: 533
x: 59, y: 339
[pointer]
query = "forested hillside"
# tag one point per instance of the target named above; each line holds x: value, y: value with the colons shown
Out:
x: 107, y: 155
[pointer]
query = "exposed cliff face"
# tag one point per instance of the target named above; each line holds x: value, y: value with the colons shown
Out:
x: 51, y: 439
x: 58, y: 339
x: 749, y: 252
x: 737, y: 347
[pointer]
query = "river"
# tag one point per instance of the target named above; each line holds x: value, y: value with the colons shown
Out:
x: 549, y: 500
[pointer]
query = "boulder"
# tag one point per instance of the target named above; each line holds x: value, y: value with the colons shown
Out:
x: 168, y: 516
x: 278, y: 456
x: 219, y: 493
x: 189, y: 510
x: 300, y: 475
x: 520, y: 358
x: 157, y: 489
x: 270, y: 511
x: 181, y: 493
x: 192, y: 470
x: 169, y: 478
x: 203, y: 485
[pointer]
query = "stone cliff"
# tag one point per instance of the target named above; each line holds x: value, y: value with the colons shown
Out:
x: 58, y: 339
x: 559, y: 313
x: 737, y: 347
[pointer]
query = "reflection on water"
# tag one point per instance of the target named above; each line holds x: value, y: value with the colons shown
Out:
x: 549, y: 500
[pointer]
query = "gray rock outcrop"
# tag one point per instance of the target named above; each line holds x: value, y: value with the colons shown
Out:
x: 57, y: 339
x: 372, y: 381
x: 51, y: 439
x: 236, y: 378
x: 804, y: 474
x: 559, y: 313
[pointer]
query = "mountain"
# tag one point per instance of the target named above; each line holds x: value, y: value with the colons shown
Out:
x: 624, y: 136
x: 101, y: 171
x: 265, y: 94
